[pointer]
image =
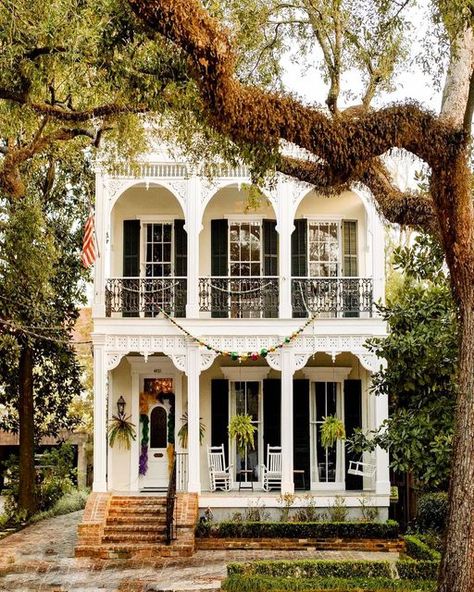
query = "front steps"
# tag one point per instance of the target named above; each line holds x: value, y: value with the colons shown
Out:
x: 134, y: 527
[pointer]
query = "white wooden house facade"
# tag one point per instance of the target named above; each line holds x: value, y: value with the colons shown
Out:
x: 239, y: 282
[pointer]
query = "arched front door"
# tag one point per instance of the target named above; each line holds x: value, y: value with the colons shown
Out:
x: 157, y: 473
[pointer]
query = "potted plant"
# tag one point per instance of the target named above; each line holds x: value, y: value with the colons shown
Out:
x: 241, y: 429
x: 183, y: 431
x: 121, y: 430
x: 332, y: 429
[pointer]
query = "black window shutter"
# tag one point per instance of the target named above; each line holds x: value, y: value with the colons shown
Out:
x: 220, y: 414
x: 131, y: 248
x: 180, y: 249
x: 353, y: 419
x: 301, y: 443
x: 299, y: 249
x: 271, y: 414
x: 131, y: 268
x: 219, y: 238
x: 219, y: 267
x: 270, y: 248
x: 351, y: 295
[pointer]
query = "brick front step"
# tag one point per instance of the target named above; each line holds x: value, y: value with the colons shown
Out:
x: 215, y: 544
x: 117, y: 519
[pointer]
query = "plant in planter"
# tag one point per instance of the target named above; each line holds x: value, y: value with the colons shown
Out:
x: 121, y: 430
x: 183, y: 431
x: 332, y: 429
x: 242, y: 431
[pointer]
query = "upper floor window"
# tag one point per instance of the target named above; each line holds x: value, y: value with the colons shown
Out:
x: 245, y: 252
x: 158, y: 250
x: 323, y: 249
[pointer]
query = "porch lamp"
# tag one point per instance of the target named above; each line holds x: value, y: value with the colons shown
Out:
x: 121, y: 406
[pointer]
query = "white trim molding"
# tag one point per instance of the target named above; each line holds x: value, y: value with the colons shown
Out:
x: 249, y: 373
x: 327, y: 373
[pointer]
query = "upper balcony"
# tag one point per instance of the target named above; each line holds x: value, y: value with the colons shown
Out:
x: 201, y: 253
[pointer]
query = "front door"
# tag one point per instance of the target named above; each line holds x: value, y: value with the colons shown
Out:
x: 157, y: 473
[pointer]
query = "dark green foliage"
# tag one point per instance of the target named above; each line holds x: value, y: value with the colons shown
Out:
x: 432, y: 512
x: 312, y: 569
x: 256, y: 583
x: 421, y: 351
x: 55, y: 478
x: 417, y: 570
x: 349, y: 530
x: 121, y: 430
x: 417, y: 549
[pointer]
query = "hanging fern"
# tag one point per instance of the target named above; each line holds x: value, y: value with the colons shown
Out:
x: 242, y: 430
x: 122, y: 431
x: 332, y: 429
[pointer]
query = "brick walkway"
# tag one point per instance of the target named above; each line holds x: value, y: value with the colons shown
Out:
x: 41, y: 558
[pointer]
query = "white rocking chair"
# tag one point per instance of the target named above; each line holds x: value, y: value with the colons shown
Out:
x: 271, y: 472
x: 219, y: 474
x: 361, y: 469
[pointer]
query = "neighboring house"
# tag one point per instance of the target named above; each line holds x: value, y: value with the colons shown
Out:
x: 241, y: 282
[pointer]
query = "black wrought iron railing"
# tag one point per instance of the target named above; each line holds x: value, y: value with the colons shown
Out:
x: 171, y: 505
x: 145, y: 296
x: 239, y: 297
x: 337, y: 296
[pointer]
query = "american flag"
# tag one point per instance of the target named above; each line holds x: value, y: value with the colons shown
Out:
x: 88, y: 242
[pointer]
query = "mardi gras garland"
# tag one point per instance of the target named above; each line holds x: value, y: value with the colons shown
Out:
x: 241, y: 356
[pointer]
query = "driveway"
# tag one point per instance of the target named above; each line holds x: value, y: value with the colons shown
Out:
x: 41, y: 558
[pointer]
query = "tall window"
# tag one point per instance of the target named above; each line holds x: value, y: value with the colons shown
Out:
x: 246, y: 400
x: 158, y: 250
x: 324, y: 403
x: 323, y: 246
x: 245, y: 253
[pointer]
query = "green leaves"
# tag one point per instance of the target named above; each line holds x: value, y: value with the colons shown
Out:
x: 242, y: 431
x: 122, y: 431
x: 332, y: 429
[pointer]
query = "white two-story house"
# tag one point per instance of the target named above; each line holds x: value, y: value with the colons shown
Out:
x: 204, y: 309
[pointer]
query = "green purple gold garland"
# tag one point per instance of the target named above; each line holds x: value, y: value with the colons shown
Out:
x: 239, y: 356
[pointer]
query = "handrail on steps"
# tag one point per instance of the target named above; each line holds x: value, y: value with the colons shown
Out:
x: 170, y: 504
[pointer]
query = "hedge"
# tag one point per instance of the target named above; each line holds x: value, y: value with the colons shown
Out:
x: 302, y: 530
x: 312, y: 569
x: 417, y: 570
x: 256, y: 583
x: 417, y: 549
x: 432, y: 511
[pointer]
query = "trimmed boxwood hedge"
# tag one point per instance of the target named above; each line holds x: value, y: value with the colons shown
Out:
x: 302, y: 530
x: 239, y: 583
x: 417, y: 570
x: 417, y: 549
x: 313, y: 568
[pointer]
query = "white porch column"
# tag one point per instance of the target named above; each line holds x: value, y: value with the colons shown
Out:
x: 287, y: 482
x: 193, y: 228
x: 378, y: 257
x: 382, y: 474
x: 100, y: 416
x: 135, y: 419
x: 193, y: 370
x: 284, y: 228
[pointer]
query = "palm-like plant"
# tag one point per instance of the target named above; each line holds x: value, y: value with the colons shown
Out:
x: 332, y: 429
x: 121, y: 430
x: 183, y: 431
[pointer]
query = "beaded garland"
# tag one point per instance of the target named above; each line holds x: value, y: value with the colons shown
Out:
x: 242, y: 356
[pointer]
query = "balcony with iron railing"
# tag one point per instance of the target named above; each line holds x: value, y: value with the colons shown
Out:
x: 240, y: 297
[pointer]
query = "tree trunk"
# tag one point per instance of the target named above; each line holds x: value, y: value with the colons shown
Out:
x: 27, y: 494
x: 457, y: 567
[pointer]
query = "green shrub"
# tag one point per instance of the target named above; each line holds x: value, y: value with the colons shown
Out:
x: 417, y: 549
x: 432, y: 512
x: 417, y: 570
x: 304, y: 530
x: 312, y: 569
x: 69, y: 502
x: 239, y: 583
x: 54, y: 478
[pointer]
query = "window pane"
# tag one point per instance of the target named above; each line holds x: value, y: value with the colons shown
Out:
x: 167, y: 233
x: 158, y: 421
x: 167, y: 252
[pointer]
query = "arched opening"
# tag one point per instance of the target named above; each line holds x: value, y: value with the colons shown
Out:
x: 149, y: 256
x: 329, y: 257
x: 158, y: 427
x: 239, y: 255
